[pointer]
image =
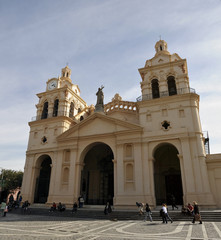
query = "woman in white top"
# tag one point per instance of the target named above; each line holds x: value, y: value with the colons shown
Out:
x: 165, y: 214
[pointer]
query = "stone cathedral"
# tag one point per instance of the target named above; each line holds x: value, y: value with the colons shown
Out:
x: 122, y: 151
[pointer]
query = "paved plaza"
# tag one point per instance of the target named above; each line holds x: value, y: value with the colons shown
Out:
x: 52, y: 227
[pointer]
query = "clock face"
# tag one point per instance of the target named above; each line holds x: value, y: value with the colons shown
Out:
x: 52, y: 85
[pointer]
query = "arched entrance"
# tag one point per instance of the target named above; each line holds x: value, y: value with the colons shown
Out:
x: 97, y: 179
x: 167, y: 175
x: 43, y: 179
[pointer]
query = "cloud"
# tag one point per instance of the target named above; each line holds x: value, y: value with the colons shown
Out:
x: 104, y: 42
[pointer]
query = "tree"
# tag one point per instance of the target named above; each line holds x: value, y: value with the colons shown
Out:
x: 10, y: 180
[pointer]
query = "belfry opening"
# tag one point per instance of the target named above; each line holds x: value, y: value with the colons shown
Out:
x: 43, y: 179
x: 167, y: 175
x: 97, y: 177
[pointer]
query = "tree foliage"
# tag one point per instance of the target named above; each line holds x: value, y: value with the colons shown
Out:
x: 11, y: 179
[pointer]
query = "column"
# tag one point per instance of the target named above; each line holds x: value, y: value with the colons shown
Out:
x: 145, y: 170
x: 151, y: 178
x: 78, y: 168
x: 35, y: 173
x: 163, y: 87
x: 50, y: 108
x: 204, y: 173
x: 138, y: 165
x: 183, y: 177
x: 115, y: 180
x: 189, y: 168
x: 120, y: 170
x: 72, y: 175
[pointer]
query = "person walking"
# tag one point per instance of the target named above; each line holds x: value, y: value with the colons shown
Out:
x: 196, y: 212
x: 165, y: 214
x: 173, y: 202
x: 107, y: 209
x: 141, y: 209
x: 3, y: 208
x: 81, y: 201
x: 148, y: 213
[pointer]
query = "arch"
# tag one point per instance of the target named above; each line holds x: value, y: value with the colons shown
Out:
x: 167, y: 174
x: 155, y: 88
x: 55, y: 109
x: 44, y: 114
x: 171, y: 85
x: 81, y: 118
x: 43, y: 172
x: 97, y: 176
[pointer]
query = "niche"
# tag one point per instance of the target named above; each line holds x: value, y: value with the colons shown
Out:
x: 128, y: 150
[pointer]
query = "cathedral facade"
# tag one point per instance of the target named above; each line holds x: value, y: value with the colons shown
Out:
x: 122, y: 152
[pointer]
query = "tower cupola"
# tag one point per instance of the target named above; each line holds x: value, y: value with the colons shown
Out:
x: 66, y: 73
x: 161, y: 47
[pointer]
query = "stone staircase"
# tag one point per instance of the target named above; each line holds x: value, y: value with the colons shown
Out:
x: 97, y: 212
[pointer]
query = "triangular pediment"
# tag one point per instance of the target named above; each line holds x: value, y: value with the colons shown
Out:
x: 99, y: 124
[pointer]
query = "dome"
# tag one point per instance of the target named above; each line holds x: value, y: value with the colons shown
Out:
x: 161, y: 46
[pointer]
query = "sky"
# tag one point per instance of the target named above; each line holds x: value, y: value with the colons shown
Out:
x: 104, y: 42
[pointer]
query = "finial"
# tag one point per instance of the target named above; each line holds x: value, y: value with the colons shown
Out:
x: 160, y: 37
x: 67, y: 64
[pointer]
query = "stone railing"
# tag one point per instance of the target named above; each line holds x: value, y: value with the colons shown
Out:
x: 165, y: 94
x: 120, y: 106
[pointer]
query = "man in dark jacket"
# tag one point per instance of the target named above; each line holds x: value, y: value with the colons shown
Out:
x: 196, y: 212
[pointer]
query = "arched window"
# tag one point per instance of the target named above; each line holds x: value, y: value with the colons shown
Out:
x: 81, y: 118
x: 171, y: 85
x: 71, y: 112
x: 55, y: 109
x: 79, y: 110
x: 155, y: 88
x: 45, y: 111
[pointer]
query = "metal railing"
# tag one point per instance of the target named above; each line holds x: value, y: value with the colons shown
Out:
x: 51, y: 115
x: 165, y: 94
x: 206, y: 141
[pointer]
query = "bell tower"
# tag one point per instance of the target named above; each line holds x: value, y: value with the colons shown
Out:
x: 56, y: 109
x: 164, y: 75
x: 59, y: 108
x: 169, y: 110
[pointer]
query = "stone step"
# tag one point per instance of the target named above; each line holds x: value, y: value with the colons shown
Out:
x: 207, y: 216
